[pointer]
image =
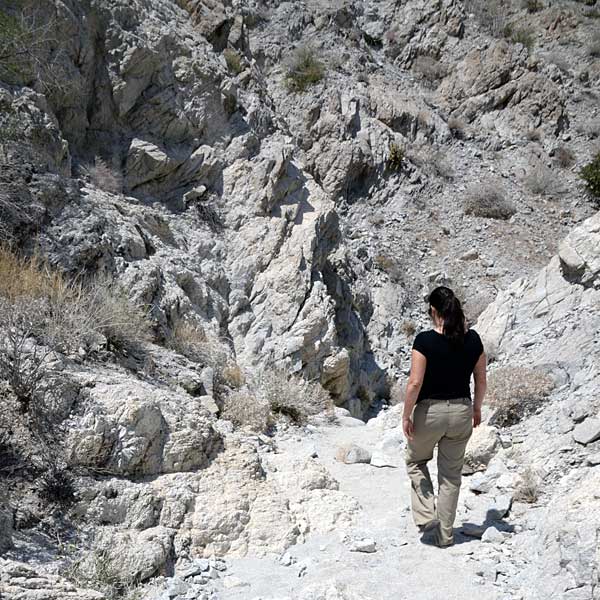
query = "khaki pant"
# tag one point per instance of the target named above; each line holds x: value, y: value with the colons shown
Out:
x: 447, y: 424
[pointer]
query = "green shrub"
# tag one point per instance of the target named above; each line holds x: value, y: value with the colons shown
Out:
x: 395, y: 157
x: 304, y: 70
x: 591, y: 175
x: 233, y: 60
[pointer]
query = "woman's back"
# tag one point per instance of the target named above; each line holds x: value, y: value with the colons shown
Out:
x: 449, y: 365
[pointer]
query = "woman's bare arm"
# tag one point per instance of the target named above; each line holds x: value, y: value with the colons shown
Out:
x: 479, y: 375
x: 418, y: 364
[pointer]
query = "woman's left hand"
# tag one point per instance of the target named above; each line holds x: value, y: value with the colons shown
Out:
x: 408, y: 428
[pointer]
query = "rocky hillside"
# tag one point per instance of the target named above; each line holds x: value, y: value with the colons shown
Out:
x: 219, y: 221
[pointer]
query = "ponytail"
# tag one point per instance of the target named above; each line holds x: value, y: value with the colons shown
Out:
x: 450, y: 309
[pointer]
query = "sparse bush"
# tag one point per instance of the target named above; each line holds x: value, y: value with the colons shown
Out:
x: 591, y: 175
x: 123, y: 323
x: 304, y: 70
x: 30, y: 52
x: 516, y: 392
x: 390, y: 264
x: 540, y: 179
x: 528, y: 487
x: 56, y: 485
x: 488, y: 200
x: 244, y: 409
x: 104, y: 177
x: 408, y: 328
x: 395, y: 157
x: 233, y: 60
x: 67, y: 314
x: 430, y: 69
x: 291, y: 396
x: 564, y: 157
x: 97, y: 569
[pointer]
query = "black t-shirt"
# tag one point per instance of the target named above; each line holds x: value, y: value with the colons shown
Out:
x: 449, y: 366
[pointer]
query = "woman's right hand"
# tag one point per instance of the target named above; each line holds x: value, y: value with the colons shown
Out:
x: 476, y: 417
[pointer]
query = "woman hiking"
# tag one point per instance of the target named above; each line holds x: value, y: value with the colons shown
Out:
x: 438, y: 411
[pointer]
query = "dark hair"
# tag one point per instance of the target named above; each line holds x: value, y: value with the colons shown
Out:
x: 449, y: 308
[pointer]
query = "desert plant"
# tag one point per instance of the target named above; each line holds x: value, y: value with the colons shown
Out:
x: 104, y: 177
x: 304, y: 69
x: 56, y: 485
x: 540, y: 179
x: 488, y: 200
x: 516, y: 392
x: 534, y: 134
x: 591, y: 175
x: 31, y: 52
x: 291, y: 396
x: 558, y: 59
x: 233, y: 60
x: 245, y: 409
x: 564, y: 157
x: 124, y: 323
x: 395, y: 157
x: 408, y: 327
x: 528, y: 487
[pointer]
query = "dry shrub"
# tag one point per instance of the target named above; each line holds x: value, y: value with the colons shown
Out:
x: 534, y: 134
x: 245, y: 409
x: 516, y: 392
x: 292, y: 397
x: 540, y: 179
x: 430, y: 69
x: 68, y: 314
x: 532, y: 6
x: 408, y: 328
x: 528, y: 487
x: 564, y: 157
x: 488, y: 200
x: 558, y: 59
x: 395, y: 157
x: 103, y: 177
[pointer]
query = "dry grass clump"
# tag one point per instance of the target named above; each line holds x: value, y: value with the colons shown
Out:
x: 528, y: 487
x: 516, y: 392
x: 304, y: 69
x: 67, y: 314
x: 589, y: 128
x: 532, y: 6
x: 558, y: 59
x: 291, y: 396
x: 245, y: 409
x: 488, y: 200
x: 408, y: 327
x: 541, y: 180
x: 564, y: 157
x: 489, y: 13
x: 430, y: 69
x: 103, y: 177
x: 233, y: 60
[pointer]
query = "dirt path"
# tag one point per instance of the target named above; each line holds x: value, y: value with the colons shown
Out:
x: 400, y: 568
